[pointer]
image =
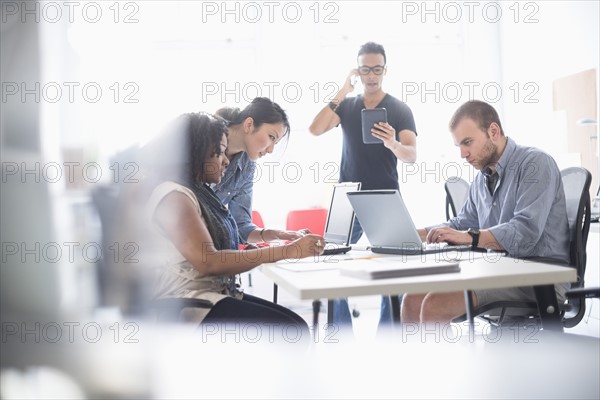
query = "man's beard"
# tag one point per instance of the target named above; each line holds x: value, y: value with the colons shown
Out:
x: 491, y: 154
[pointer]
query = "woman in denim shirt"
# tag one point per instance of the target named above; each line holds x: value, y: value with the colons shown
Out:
x: 193, y: 238
x: 253, y: 133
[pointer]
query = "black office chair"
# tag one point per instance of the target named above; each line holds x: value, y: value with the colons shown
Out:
x: 112, y: 280
x: 118, y: 286
x: 576, y: 183
x: 104, y: 199
x: 457, y: 193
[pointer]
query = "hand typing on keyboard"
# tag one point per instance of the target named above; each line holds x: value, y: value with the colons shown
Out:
x: 448, y: 235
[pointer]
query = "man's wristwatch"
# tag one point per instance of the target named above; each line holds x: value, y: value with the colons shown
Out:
x: 474, y: 232
x: 334, y: 106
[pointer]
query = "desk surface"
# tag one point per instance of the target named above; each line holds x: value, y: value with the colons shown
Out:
x: 307, y: 279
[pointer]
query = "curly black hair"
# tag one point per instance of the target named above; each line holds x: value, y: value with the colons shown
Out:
x: 179, y: 154
x: 204, y: 135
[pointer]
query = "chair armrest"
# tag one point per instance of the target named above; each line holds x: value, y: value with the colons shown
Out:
x: 181, y: 302
x: 583, y: 293
x: 169, y: 308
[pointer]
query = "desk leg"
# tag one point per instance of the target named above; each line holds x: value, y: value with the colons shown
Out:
x: 395, y: 305
x: 470, y: 311
x: 548, y: 308
x: 330, y: 312
x: 316, y: 310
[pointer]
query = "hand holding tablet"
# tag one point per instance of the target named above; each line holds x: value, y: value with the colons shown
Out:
x: 369, y: 118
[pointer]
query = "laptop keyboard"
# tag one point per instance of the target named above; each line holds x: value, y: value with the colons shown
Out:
x: 425, y: 249
x: 335, y: 248
x: 441, y: 247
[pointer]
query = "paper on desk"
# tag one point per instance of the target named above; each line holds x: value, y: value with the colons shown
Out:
x: 309, y: 264
x: 321, y: 263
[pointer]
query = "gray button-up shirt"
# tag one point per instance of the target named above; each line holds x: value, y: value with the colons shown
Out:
x: 527, y: 213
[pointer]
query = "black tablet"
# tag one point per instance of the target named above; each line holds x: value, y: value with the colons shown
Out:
x: 370, y: 117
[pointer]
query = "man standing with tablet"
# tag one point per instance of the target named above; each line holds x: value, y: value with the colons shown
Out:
x: 372, y: 164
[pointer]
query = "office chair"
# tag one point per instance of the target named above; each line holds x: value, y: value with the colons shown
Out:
x: 457, y: 193
x: 119, y: 284
x: 257, y: 219
x: 576, y: 184
x: 104, y: 199
x: 312, y: 218
x: 110, y: 274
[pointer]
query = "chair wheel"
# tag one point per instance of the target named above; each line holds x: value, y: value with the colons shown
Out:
x: 355, y: 313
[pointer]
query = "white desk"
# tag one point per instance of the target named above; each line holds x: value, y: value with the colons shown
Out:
x: 305, y: 280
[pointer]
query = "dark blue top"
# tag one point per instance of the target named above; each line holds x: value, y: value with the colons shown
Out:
x: 373, y: 165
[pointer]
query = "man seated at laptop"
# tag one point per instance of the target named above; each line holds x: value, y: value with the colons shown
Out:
x: 516, y: 204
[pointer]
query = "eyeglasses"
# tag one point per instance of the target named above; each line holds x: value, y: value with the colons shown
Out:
x: 377, y: 70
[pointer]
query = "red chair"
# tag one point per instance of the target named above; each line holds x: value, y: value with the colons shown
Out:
x: 313, y: 219
x: 257, y: 219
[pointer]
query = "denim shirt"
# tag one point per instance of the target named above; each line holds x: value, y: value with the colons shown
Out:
x: 235, y: 191
x: 527, y: 213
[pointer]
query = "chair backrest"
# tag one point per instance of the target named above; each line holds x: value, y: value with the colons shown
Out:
x: 120, y: 281
x: 257, y: 219
x: 311, y: 218
x: 576, y: 183
x: 105, y: 200
x: 457, y: 193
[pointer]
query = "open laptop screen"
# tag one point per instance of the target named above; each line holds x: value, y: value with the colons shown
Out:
x: 341, y: 214
x: 389, y: 227
x: 385, y: 218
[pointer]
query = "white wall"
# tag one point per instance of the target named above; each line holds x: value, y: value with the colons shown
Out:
x: 189, y: 56
x: 562, y: 39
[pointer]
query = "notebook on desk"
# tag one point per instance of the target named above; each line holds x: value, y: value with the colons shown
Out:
x: 383, y: 270
x: 389, y: 227
x: 340, y: 219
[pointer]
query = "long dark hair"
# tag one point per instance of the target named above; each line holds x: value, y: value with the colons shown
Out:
x: 180, y: 154
x: 262, y: 110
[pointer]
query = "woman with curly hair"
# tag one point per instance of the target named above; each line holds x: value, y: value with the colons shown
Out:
x: 198, y: 237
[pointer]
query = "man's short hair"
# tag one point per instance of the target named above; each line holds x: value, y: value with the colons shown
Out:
x: 372, y: 48
x: 479, y: 111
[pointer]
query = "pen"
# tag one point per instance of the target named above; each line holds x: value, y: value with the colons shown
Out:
x: 364, y: 258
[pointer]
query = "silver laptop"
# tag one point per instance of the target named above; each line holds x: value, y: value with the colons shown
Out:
x: 388, y: 225
x: 340, y: 219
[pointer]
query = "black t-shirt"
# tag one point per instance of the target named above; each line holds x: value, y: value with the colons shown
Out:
x: 373, y: 165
